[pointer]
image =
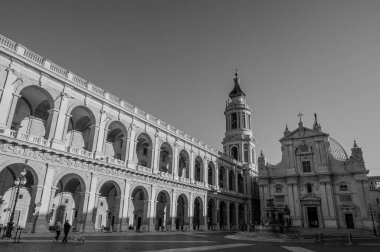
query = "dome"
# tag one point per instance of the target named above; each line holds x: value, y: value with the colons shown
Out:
x: 337, y: 150
x: 236, y: 92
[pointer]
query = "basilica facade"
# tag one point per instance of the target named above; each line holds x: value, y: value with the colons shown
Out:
x: 101, y: 163
x: 316, y: 184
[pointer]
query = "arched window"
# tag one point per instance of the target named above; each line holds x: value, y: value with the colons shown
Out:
x: 210, y: 174
x: 240, y: 183
x: 234, y: 152
x: 234, y: 121
x: 198, y: 169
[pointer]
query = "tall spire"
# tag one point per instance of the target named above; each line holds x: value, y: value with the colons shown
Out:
x: 286, y: 132
x: 236, y: 91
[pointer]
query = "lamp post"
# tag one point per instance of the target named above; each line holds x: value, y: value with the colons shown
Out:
x: 19, y: 182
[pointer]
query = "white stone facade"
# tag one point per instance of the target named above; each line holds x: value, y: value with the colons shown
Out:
x: 102, y: 163
x: 315, y: 184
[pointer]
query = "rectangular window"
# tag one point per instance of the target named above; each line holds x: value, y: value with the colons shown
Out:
x: 306, y: 166
x: 249, y: 122
x: 345, y: 197
x: 246, y: 159
x: 239, y: 126
x: 233, y: 121
x: 278, y: 189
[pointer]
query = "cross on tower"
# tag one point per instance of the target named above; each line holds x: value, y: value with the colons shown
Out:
x: 300, y: 116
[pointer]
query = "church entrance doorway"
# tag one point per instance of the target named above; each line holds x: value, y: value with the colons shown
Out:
x: 312, y: 215
x: 349, y: 221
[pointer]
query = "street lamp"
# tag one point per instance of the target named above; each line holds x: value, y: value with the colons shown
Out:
x: 371, y: 212
x: 19, y: 182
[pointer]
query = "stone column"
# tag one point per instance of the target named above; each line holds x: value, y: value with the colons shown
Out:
x: 227, y: 170
x: 132, y: 157
x: 89, y: 205
x: 50, y: 207
x: 191, y: 212
x: 173, y: 211
x: 237, y: 222
x: 152, y: 208
x: 125, y: 207
x: 175, y: 162
x: 191, y: 166
x: 7, y: 98
x: 51, y: 123
x: 205, y: 171
x: 43, y: 200
x: 156, y: 155
x: 61, y: 124
x: 103, y: 148
x: 124, y: 151
x: 120, y: 206
x: 100, y: 135
x: 205, y: 226
x: 93, y: 140
x: 216, y: 177
x: 236, y: 180
x: 12, y: 109
x: 218, y: 215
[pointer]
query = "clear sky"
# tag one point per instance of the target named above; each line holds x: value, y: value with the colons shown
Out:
x: 176, y: 60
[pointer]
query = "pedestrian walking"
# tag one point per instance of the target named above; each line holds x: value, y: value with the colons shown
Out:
x: 58, y: 228
x: 66, y: 229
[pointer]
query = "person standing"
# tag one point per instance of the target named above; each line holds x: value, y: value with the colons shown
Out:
x: 66, y: 229
x: 58, y: 228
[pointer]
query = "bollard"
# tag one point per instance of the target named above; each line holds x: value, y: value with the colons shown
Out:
x: 350, y: 243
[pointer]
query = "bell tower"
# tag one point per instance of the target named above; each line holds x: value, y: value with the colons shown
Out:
x: 239, y: 142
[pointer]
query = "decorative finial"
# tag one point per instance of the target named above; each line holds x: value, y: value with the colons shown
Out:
x: 261, y: 153
x: 236, y: 73
x: 355, y: 145
x: 315, y: 117
x: 286, y: 128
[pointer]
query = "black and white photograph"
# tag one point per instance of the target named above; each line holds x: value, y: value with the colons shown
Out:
x: 190, y: 125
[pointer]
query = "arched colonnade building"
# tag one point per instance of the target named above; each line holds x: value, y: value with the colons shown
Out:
x: 102, y: 163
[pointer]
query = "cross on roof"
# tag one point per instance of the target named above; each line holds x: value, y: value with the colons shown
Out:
x: 300, y: 116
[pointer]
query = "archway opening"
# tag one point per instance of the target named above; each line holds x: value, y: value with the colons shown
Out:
x: 198, y: 169
x: 198, y: 214
x: 32, y: 114
x: 182, y: 216
x: 211, y: 168
x: 221, y: 177
x: 166, y: 155
x: 115, y: 144
x: 144, y: 150
x: 139, y: 208
x: 25, y: 206
x: 79, y: 131
x: 108, y: 207
x: 183, y: 164
x: 68, y: 201
x: 222, y: 215
x: 162, y: 211
x: 231, y: 180
x: 211, y: 216
x: 232, y: 216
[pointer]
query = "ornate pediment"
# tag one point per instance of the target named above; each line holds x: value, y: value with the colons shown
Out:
x: 303, y: 132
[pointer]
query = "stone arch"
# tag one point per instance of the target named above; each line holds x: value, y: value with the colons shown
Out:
x: 26, y: 200
x: 115, y: 143
x: 211, y: 173
x: 198, y: 169
x: 144, y: 147
x: 80, y: 128
x: 68, y: 200
x: 32, y: 114
x: 198, y: 218
x: 183, y: 164
x: 162, y: 219
x: 107, y: 208
x: 166, y: 157
x: 182, y: 220
x: 138, y: 210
